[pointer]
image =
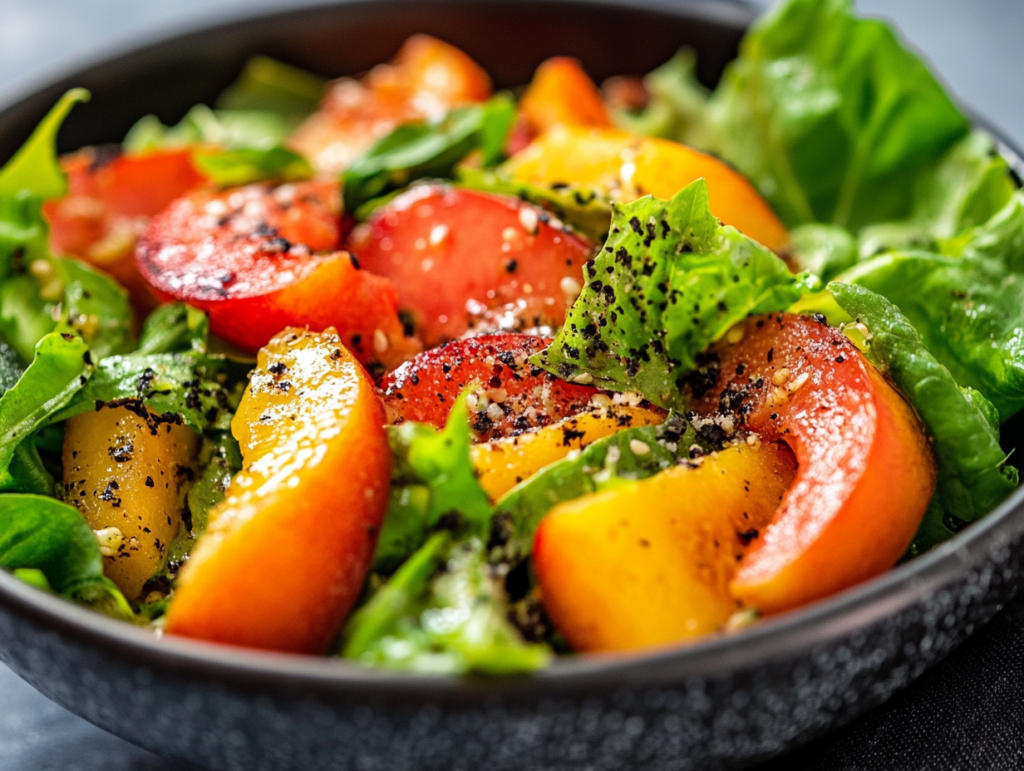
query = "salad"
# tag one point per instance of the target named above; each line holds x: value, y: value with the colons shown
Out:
x: 403, y: 370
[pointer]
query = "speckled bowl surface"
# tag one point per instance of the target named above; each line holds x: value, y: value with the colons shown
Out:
x: 722, y: 703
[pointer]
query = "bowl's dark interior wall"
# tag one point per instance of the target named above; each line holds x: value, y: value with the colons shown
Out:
x: 171, y: 77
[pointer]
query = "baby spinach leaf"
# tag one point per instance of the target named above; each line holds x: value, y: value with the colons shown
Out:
x: 245, y: 165
x: 669, y: 281
x: 968, y: 311
x: 446, y: 612
x: 432, y: 479
x: 173, y: 328
x: 60, y: 368
x: 601, y: 464
x: 202, y: 391
x: 973, y: 476
x: 830, y: 116
x: 40, y: 535
x: 430, y: 149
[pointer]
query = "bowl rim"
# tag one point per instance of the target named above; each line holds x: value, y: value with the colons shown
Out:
x: 776, y: 638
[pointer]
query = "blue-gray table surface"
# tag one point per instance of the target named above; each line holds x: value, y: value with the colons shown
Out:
x: 964, y: 714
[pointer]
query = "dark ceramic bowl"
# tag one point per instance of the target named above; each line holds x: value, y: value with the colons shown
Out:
x: 720, y: 703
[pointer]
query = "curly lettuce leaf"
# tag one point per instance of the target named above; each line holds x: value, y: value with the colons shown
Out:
x: 973, y: 477
x: 968, y: 187
x: 432, y: 479
x: 830, y: 116
x: 444, y: 612
x: 968, y: 311
x: 669, y: 281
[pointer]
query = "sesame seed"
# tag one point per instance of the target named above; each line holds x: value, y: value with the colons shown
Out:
x: 438, y: 235
x: 570, y: 286
x: 528, y: 219
x: 781, y: 376
x: 735, y: 334
x: 798, y: 383
x: 583, y: 378
x: 380, y: 341
x: 639, y: 448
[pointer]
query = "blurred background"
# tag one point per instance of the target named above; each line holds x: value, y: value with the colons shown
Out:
x: 974, y: 45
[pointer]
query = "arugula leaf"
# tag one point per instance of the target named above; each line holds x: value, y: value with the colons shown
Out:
x: 58, y: 371
x: 432, y: 478
x: 972, y: 473
x: 94, y: 306
x: 677, y: 103
x: 599, y: 465
x: 968, y: 311
x: 200, y: 390
x: 173, y: 328
x: 268, y: 85
x: 444, y: 611
x: 242, y: 166
x: 669, y: 281
x: 587, y: 211
x: 830, y: 116
x: 431, y: 149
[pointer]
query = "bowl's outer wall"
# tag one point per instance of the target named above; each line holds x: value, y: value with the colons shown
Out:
x: 722, y: 704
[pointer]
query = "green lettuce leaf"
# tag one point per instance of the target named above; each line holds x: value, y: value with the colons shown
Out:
x: 231, y: 129
x: 669, y: 281
x: 830, y: 116
x: 60, y: 368
x: 432, y: 483
x: 599, y: 465
x: 446, y: 612
x: 973, y: 477
x: 1000, y: 238
x: 965, y: 190
x: 824, y: 250
x: 968, y: 311
x: 428, y: 150
x: 677, y: 105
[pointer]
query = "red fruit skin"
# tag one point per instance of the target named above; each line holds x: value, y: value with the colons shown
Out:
x: 866, y: 472
x: 263, y: 257
x: 445, y: 248
x: 424, y: 388
x: 109, y: 201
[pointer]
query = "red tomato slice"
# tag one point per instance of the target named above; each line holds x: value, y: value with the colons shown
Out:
x: 866, y: 472
x: 519, y: 396
x: 262, y: 257
x: 451, y: 251
x: 110, y: 199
